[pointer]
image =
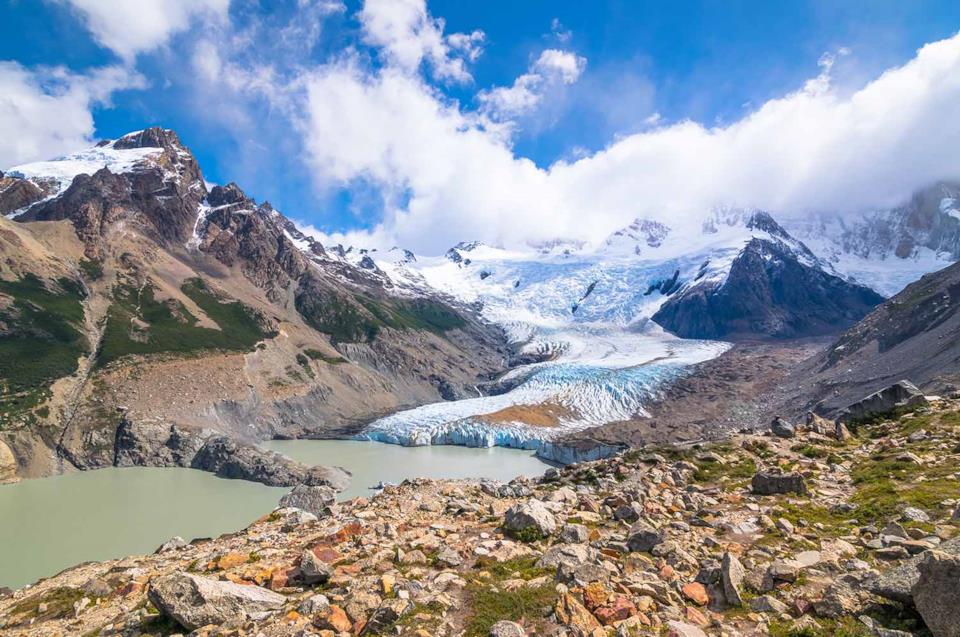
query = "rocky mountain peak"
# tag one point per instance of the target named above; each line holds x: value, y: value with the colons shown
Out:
x: 225, y: 195
x: 154, y: 137
x: 761, y: 220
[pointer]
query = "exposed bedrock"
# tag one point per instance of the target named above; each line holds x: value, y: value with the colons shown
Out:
x: 165, y: 445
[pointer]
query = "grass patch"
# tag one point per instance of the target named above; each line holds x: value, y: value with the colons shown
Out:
x: 885, y: 485
x: 845, y: 627
x: 489, y: 605
x: 317, y: 355
x: 834, y: 523
x: 53, y: 604
x: 92, y: 269
x: 524, y: 568
x: 138, y: 323
x: 488, y: 602
x: 712, y: 472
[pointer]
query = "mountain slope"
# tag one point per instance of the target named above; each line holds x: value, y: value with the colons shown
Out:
x: 888, y: 249
x: 913, y: 336
x: 774, y: 287
x: 165, y: 304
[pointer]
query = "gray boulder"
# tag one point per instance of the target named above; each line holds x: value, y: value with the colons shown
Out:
x: 903, y: 394
x: 732, y: 575
x: 897, y: 583
x: 386, y: 615
x: 194, y: 601
x: 574, y: 534
x: 313, y: 570
x: 772, y: 483
x: 530, y: 519
x: 312, y: 499
x: 782, y: 429
x: 643, y: 537
x: 937, y: 593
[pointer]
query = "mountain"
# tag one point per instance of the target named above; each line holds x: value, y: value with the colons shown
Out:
x: 585, y: 320
x: 890, y: 248
x: 774, y: 287
x: 135, y: 299
x: 912, y: 336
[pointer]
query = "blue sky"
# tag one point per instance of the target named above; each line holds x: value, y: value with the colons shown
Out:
x: 618, y: 71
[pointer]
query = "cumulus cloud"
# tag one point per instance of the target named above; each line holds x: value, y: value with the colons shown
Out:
x: 130, y: 27
x: 408, y: 36
x: 552, y: 68
x: 46, y: 111
x: 446, y: 178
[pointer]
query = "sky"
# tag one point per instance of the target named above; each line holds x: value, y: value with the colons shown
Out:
x: 402, y: 122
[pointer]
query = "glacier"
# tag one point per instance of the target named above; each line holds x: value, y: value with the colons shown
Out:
x: 584, y: 312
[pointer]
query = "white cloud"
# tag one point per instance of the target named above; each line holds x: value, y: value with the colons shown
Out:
x: 447, y: 178
x: 128, y: 27
x: 561, y: 33
x: 552, y: 68
x: 408, y: 35
x: 46, y: 111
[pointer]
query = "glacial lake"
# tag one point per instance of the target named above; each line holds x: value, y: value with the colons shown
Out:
x: 49, y: 524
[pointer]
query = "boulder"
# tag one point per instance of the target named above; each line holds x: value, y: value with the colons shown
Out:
x: 574, y: 534
x: 313, y: 605
x: 313, y: 570
x: 732, y: 575
x: 386, y: 615
x: 312, y: 499
x: 897, y: 583
x: 643, y: 537
x: 903, y: 394
x: 194, y: 601
x: 529, y: 520
x: 682, y: 629
x: 507, y: 629
x: 782, y: 429
x: 937, y: 593
x: 772, y: 483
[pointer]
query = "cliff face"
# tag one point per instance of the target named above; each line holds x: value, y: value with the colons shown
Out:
x: 132, y: 292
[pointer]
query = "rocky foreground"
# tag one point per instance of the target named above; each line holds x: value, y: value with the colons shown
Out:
x: 803, y: 530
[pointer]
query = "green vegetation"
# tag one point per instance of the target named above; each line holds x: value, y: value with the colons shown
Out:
x: 42, y: 341
x: 834, y: 523
x: 489, y: 602
x: 304, y: 362
x: 884, y: 485
x: 359, y: 319
x: 317, y: 355
x: 53, y: 604
x: 846, y: 627
x: 138, y: 323
x: 93, y: 270
x: 527, y: 535
x: 712, y: 472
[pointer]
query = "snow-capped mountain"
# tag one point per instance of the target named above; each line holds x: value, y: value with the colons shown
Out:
x: 587, y: 319
x: 888, y: 249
